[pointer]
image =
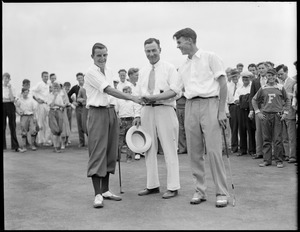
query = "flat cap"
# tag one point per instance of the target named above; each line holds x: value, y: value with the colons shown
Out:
x: 272, y: 71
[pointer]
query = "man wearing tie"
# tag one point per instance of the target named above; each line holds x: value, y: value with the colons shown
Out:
x: 234, y: 110
x: 158, y: 118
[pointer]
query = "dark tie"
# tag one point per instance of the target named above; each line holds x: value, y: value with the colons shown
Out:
x: 151, y: 83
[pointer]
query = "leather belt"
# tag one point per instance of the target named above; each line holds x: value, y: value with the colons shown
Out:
x: 127, y: 118
x: 153, y: 105
x: 198, y: 97
x: 102, y: 107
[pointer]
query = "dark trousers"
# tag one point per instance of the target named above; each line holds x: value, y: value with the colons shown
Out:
x: 234, y: 111
x: 272, y: 130
x: 80, y: 125
x: 9, y: 111
x: 247, y: 133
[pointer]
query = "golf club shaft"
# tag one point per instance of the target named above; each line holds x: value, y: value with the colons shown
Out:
x: 226, y: 150
x: 119, y: 161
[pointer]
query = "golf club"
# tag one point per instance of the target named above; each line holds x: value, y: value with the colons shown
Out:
x: 233, y: 200
x: 119, y: 160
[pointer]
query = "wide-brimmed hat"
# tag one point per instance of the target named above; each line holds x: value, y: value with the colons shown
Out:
x: 138, y: 140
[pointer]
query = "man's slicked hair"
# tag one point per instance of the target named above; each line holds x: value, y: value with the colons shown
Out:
x: 99, y: 46
x: 186, y: 33
x: 44, y: 73
x: 151, y: 40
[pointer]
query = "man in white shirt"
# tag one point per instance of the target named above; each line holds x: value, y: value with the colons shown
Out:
x: 9, y: 111
x: 26, y: 107
x: 234, y: 109
x: 123, y: 82
x: 126, y: 112
x: 41, y: 93
x: 103, y: 124
x: 158, y: 118
x: 255, y: 86
x: 204, y: 79
x: 289, y: 129
x: 246, y: 125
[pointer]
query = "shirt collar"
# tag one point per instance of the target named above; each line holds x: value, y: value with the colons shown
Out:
x: 155, y: 65
x: 197, y: 54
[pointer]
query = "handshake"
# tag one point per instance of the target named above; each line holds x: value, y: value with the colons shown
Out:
x: 150, y: 99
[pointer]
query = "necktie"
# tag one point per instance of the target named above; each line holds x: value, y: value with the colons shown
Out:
x: 151, y: 83
x: 234, y: 89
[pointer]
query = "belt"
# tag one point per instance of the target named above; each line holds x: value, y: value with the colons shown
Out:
x: 198, y: 97
x: 127, y: 118
x: 60, y: 108
x: 230, y: 104
x: 102, y: 107
x: 27, y: 115
x: 8, y: 101
x: 153, y: 105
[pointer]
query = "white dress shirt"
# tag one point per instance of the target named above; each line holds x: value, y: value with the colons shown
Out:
x: 41, y: 90
x: 94, y: 83
x: 27, y: 106
x: 166, y: 78
x: 200, y: 74
x: 125, y: 108
x: 230, y: 91
x: 242, y: 91
x: 5, y: 93
x: 121, y: 85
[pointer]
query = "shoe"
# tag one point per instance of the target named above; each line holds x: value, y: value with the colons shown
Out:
x: 241, y: 154
x: 170, y: 193
x: 57, y: 150
x: 147, y: 191
x: 80, y: 145
x: 287, y: 158
x: 292, y: 160
x: 257, y: 157
x: 33, y: 148
x: 264, y: 164
x: 98, y: 202
x: 197, y: 199
x: 62, y: 147
x: 137, y: 157
x: 47, y: 144
x: 221, y: 201
x: 109, y: 196
x: 22, y: 150
x: 129, y: 160
x: 69, y: 142
x: 234, y: 150
x: 279, y: 165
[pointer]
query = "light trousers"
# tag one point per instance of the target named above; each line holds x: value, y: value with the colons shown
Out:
x: 161, y: 122
x: 203, y: 129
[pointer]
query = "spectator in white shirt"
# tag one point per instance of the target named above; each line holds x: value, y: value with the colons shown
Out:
x: 246, y: 125
x: 41, y: 93
x: 26, y: 107
x: 126, y: 112
x: 123, y: 82
x: 234, y: 109
x: 9, y: 111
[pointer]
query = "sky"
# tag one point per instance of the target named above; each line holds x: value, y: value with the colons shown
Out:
x: 58, y: 37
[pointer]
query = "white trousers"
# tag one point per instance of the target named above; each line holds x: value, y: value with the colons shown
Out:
x: 44, y: 134
x: 161, y: 122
